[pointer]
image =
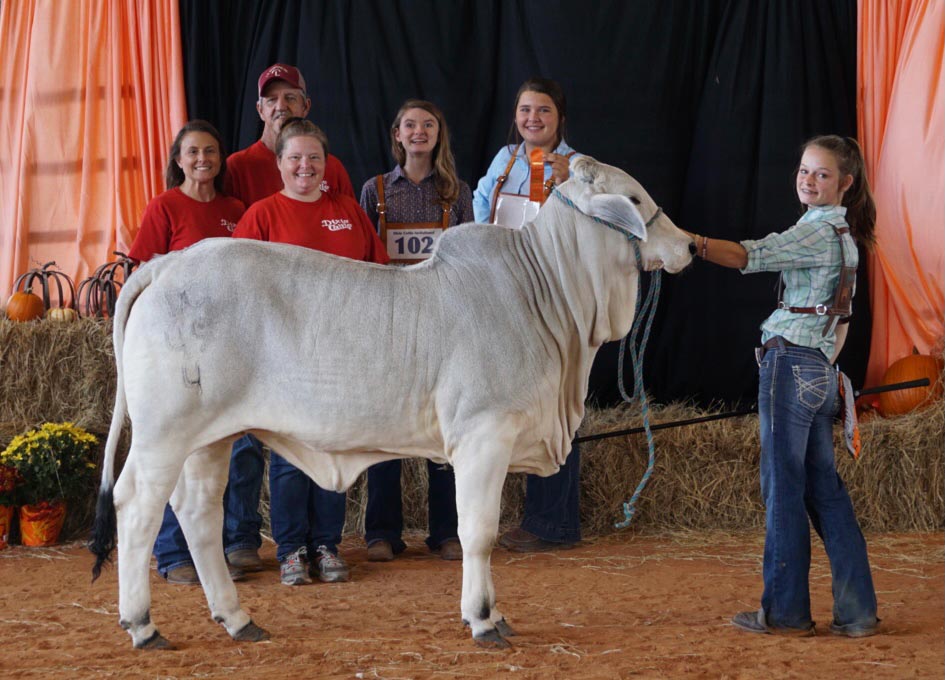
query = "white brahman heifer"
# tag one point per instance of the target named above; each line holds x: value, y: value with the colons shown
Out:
x: 478, y: 357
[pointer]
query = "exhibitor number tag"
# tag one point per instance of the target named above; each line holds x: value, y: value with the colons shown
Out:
x: 408, y: 246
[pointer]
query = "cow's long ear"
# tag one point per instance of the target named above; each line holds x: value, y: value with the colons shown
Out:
x: 619, y: 210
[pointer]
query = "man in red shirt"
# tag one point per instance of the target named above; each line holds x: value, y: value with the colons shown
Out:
x: 251, y: 174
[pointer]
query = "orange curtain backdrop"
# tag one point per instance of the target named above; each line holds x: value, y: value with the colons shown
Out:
x: 91, y: 94
x: 902, y: 128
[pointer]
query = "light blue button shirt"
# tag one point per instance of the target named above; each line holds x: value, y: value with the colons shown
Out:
x: 517, y: 182
x: 808, y: 256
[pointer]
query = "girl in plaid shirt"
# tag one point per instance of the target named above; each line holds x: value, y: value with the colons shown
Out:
x: 798, y: 395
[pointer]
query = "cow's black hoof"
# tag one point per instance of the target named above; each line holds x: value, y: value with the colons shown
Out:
x: 492, y: 639
x: 251, y: 633
x: 505, y: 630
x: 156, y: 641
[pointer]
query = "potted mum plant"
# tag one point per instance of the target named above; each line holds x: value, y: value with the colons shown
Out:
x: 54, y: 465
x: 8, y: 480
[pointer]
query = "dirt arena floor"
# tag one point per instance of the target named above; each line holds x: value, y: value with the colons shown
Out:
x: 624, y: 606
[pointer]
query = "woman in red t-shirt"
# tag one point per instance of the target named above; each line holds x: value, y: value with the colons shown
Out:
x: 302, y: 213
x: 307, y: 520
x: 193, y: 207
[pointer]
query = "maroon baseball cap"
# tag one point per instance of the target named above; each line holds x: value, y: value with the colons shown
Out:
x: 289, y: 74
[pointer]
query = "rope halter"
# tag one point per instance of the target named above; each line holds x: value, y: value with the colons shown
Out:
x: 645, y: 311
x: 616, y: 227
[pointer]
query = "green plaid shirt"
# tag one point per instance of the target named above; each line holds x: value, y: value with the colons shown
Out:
x: 808, y: 256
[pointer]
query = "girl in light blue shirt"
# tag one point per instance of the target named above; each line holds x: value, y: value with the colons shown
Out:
x: 539, y: 122
x: 551, y: 519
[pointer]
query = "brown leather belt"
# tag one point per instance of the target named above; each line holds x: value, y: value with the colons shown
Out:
x: 777, y: 341
x: 819, y: 310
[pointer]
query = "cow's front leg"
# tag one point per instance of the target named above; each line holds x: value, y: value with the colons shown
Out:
x: 481, y: 464
x: 140, y: 497
x: 198, y: 504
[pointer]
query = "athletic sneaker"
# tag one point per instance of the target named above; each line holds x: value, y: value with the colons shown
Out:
x: 330, y: 567
x: 294, y: 568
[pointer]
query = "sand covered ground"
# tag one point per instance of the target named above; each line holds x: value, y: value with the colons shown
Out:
x: 624, y: 606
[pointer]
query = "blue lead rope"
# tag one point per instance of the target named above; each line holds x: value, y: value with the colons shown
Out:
x: 643, y: 314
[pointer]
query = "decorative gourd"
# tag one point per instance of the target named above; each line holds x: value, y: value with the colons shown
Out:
x: 24, y: 306
x: 912, y: 367
x: 97, y: 297
x: 47, y: 278
x: 123, y: 264
x: 62, y: 314
x: 98, y: 294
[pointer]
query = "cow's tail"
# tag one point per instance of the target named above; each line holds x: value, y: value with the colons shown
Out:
x: 104, y: 528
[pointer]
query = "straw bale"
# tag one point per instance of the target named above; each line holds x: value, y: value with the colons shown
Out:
x: 706, y: 475
x: 57, y: 371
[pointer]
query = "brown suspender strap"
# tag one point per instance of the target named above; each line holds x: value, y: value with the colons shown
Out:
x: 381, y: 205
x: 550, y: 182
x: 445, y: 220
x: 500, y: 180
x: 843, y: 295
x: 382, y: 208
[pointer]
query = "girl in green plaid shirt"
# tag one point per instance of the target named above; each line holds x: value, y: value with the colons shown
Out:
x: 798, y: 394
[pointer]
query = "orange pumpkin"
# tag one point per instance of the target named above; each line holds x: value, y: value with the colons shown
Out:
x: 24, y: 306
x: 62, y: 314
x: 912, y: 367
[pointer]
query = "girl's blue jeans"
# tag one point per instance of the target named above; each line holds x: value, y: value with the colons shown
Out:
x: 797, y: 402
x: 241, y: 518
x: 301, y: 513
x: 384, y: 517
x: 553, y: 504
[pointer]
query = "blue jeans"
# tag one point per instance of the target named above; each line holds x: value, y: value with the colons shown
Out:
x: 553, y: 504
x: 797, y: 402
x: 384, y: 517
x: 241, y: 518
x: 301, y: 513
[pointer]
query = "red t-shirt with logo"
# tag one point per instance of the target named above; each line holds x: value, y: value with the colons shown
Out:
x: 252, y: 174
x: 173, y: 220
x: 332, y: 224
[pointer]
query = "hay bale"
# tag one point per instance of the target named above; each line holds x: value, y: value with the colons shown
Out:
x: 706, y: 475
x: 898, y: 483
x: 55, y: 372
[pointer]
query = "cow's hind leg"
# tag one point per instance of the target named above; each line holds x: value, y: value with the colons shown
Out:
x: 140, y: 496
x: 481, y: 464
x: 198, y: 504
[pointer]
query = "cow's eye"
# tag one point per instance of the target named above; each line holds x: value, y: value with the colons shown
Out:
x: 635, y: 200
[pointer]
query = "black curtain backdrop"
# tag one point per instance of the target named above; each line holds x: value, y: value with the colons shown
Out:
x: 706, y: 103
